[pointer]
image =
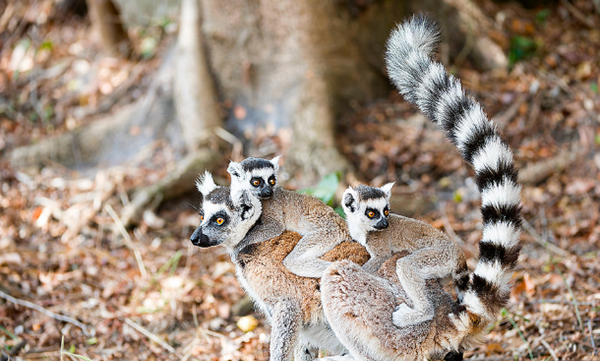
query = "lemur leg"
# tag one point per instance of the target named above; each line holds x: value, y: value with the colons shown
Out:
x: 304, y: 260
x: 413, y: 270
x: 373, y: 264
x: 286, y: 320
x: 305, y: 352
x: 358, y: 306
x: 269, y: 228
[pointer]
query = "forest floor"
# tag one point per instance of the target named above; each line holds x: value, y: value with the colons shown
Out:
x: 147, y: 294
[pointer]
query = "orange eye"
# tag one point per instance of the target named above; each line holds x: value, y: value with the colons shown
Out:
x: 386, y: 212
x: 201, y: 218
x: 256, y: 182
x: 272, y: 182
x: 370, y: 214
x: 220, y: 221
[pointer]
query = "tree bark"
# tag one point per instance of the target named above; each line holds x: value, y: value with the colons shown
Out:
x: 106, y: 19
x: 195, y: 95
x: 292, y: 66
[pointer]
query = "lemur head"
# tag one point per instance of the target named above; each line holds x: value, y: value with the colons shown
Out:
x: 257, y: 175
x: 367, y: 209
x: 223, y: 221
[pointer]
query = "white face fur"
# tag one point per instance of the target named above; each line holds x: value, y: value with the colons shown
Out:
x: 256, y: 175
x: 222, y: 222
x: 367, y: 210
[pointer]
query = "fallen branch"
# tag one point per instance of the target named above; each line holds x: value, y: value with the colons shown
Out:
x: 578, y: 14
x: 539, y: 239
x: 151, y: 336
x: 35, y: 307
x: 540, y: 171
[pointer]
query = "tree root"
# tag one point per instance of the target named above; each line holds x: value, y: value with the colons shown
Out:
x: 176, y: 183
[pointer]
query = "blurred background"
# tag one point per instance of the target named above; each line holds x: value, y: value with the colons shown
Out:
x: 109, y: 110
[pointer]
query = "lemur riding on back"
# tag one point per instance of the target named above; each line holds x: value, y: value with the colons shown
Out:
x: 257, y: 175
x: 433, y: 254
x: 319, y: 225
x: 363, y: 324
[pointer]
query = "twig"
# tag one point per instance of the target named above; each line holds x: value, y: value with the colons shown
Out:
x: 151, y: 336
x: 15, y: 350
x: 549, y: 246
x: 35, y: 307
x: 574, y: 302
x: 549, y: 348
x: 578, y: 14
x: 516, y: 327
x: 507, y: 115
x: 128, y: 240
x: 592, y: 337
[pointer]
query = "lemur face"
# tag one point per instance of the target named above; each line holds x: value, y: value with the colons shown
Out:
x: 222, y: 222
x: 367, y: 209
x: 257, y: 175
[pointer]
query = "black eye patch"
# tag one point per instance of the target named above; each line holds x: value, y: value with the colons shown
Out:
x: 215, y: 219
x: 371, y: 213
x: 256, y: 181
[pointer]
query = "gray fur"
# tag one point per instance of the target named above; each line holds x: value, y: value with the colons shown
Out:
x: 251, y: 169
x: 433, y: 254
x: 358, y: 304
x: 290, y: 334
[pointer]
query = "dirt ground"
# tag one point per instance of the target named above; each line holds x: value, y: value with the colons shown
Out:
x: 147, y: 294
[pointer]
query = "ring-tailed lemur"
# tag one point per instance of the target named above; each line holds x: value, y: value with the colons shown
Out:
x: 318, y: 224
x: 291, y: 303
x: 364, y: 324
x: 433, y: 254
x: 257, y: 175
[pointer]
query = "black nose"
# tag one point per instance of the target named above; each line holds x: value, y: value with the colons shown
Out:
x: 199, y: 239
x: 266, y: 192
x: 382, y: 224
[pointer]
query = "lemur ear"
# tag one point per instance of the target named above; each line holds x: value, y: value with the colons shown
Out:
x: 235, y: 169
x: 275, y: 162
x: 350, y: 200
x: 387, y: 189
x: 206, y: 184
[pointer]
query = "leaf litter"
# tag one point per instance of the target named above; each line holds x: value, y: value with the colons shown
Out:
x: 146, y: 293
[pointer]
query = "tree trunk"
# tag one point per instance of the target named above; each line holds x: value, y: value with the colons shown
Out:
x: 291, y: 66
x: 107, y: 21
x: 195, y: 96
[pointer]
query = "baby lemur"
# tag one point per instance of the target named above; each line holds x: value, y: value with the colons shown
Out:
x: 319, y: 225
x: 432, y: 253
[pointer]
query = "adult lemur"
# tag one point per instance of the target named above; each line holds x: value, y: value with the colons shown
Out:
x: 291, y: 303
x: 358, y: 304
x: 432, y: 253
x: 319, y: 225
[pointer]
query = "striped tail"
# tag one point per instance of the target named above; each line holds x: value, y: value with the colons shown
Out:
x: 440, y: 96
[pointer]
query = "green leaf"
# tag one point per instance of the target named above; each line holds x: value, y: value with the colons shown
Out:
x: 76, y: 356
x: 10, y: 334
x: 326, y: 188
x: 594, y: 87
x: 91, y: 341
x: 521, y: 47
x: 542, y: 15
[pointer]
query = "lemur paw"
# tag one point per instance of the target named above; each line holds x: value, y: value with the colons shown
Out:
x: 405, y: 316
